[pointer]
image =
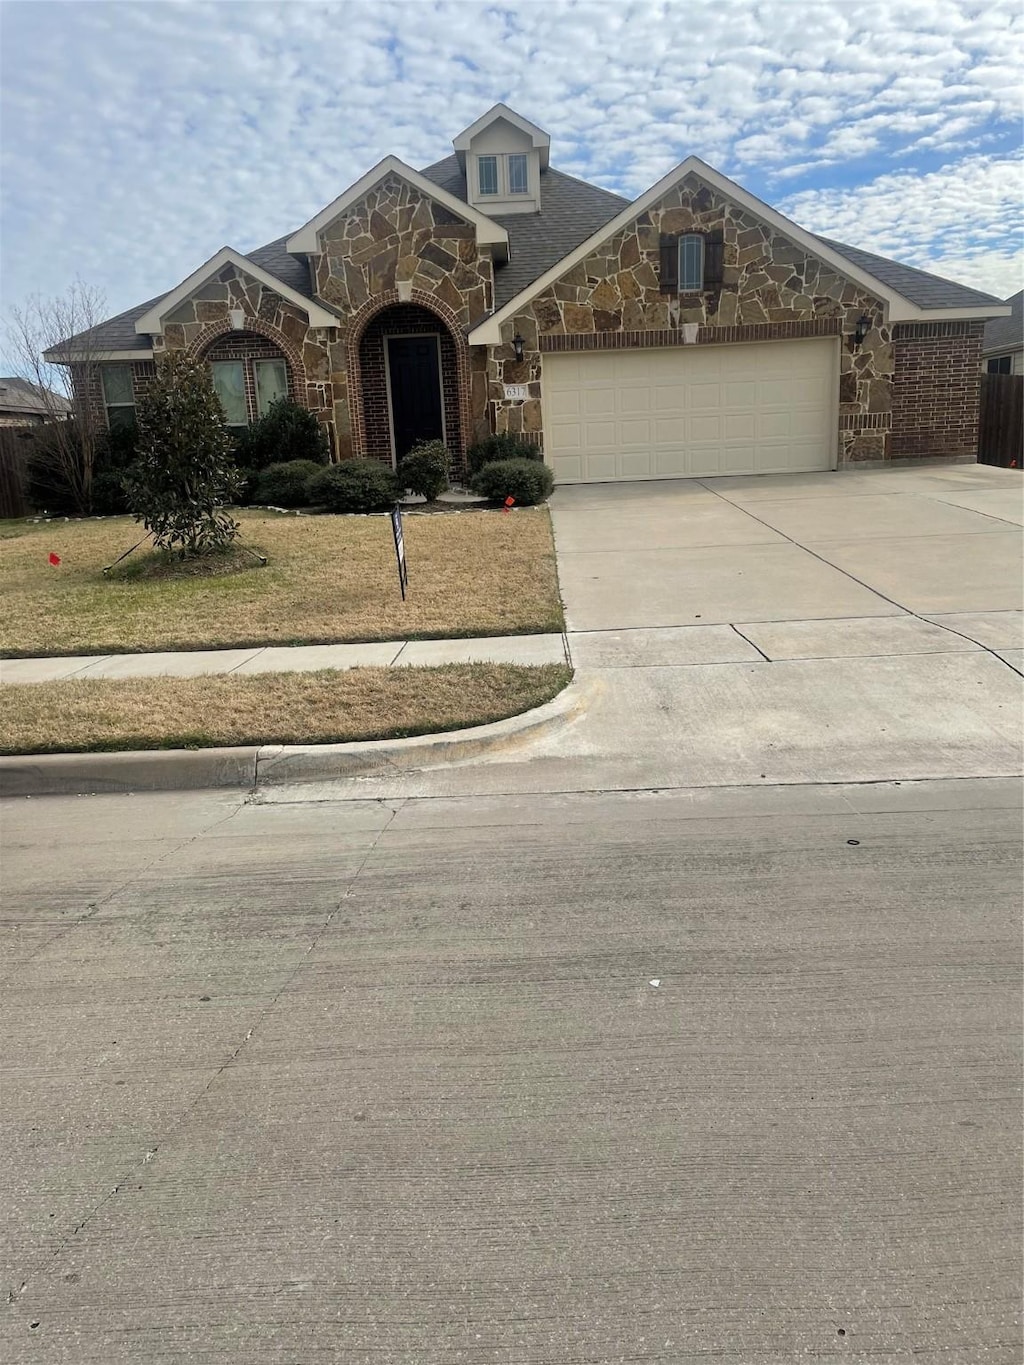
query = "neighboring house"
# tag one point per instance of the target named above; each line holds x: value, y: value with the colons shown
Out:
x: 1003, y: 347
x: 26, y: 405
x: 694, y: 331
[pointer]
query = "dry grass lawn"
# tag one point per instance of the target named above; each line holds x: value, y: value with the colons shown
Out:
x: 267, y: 708
x: 329, y: 580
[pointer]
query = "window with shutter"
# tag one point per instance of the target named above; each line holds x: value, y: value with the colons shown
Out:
x: 714, y: 259
x: 669, y: 272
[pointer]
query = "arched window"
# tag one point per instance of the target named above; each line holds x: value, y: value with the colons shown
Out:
x: 249, y: 373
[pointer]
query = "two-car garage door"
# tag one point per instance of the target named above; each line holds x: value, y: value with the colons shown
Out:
x: 763, y: 408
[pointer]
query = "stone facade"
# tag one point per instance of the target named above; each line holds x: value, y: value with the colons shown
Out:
x: 203, y: 322
x: 771, y: 289
x: 397, y: 246
x: 400, y: 262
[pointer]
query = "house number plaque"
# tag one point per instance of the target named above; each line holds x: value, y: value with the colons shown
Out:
x: 516, y: 391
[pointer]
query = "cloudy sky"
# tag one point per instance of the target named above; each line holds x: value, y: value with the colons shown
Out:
x: 140, y: 136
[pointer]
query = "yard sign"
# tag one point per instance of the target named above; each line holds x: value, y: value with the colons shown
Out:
x: 396, y: 526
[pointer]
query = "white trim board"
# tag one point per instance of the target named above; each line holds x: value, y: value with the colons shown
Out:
x: 541, y: 141
x: 152, y: 321
x: 56, y: 356
x: 488, y: 232
x: 898, y: 308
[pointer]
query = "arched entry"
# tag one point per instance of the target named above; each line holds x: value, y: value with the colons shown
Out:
x: 409, y: 382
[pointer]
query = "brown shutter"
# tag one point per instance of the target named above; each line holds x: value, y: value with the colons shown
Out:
x: 714, y: 259
x: 669, y: 275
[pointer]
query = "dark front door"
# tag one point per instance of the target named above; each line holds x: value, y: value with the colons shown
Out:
x: 415, y: 377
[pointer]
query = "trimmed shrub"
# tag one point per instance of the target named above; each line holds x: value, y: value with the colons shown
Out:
x: 354, y: 486
x: 528, y: 481
x: 425, y: 469
x: 502, y: 446
x: 284, y: 485
x: 287, y: 432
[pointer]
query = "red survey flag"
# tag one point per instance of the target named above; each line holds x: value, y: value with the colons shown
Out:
x: 54, y: 559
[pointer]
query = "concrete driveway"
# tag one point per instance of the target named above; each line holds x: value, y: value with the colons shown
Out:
x: 826, y: 627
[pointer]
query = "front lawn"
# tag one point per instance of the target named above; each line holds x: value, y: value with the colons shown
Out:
x: 103, y: 714
x: 328, y: 580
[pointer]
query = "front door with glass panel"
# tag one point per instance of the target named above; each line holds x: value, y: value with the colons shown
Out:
x: 414, y: 384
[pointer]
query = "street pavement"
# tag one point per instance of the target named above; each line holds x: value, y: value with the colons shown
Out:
x: 692, y: 1032
x: 721, y: 1074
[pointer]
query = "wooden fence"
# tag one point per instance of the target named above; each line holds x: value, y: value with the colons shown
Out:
x: 1001, y: 423
x: 16, y: 445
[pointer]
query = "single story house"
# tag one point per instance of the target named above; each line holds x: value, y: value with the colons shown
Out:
x: 23, y: 404
x: 693, y: 331
x: 1002, y: 351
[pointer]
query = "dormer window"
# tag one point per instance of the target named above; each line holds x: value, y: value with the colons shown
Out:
x: 487, y: 167
x: 503, y: 175
x: 504, y: 158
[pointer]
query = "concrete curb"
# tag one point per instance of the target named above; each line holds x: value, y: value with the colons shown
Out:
x: 255, y: 766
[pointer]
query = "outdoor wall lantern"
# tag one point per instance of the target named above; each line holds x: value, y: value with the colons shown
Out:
x: 237, y: 316
x: 863, y: 327
x: 517, y: 345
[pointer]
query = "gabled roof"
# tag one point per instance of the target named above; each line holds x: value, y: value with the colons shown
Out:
x: 1006, y: 334
x: 117, y: 339
x: 18, y: 395
x: 152, y: 319
x: 540, y: 140
x: 574, y: 217
x: 922, y: 289
x: 899, y: 307
x: 488, y: 232
x: 570, y: 210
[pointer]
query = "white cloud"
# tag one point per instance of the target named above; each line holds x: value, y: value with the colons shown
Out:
x: 138, y: 138
x: 961, y: 221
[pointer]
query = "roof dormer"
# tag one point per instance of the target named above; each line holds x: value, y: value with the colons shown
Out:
x: 503, y: 155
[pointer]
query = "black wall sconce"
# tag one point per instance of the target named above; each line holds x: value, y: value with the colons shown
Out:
x: 517, y: 345
x: 863, y: 327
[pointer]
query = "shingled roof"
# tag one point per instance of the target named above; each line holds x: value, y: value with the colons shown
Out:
x: 927, y: 291
x: 20, y: 396
x: 119, y: 334
x: 1006, y: 334
x: 571, y: 211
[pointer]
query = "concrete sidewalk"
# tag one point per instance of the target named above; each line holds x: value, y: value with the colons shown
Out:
x: 499, y: 649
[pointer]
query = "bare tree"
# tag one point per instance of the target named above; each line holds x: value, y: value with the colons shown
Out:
x: 52, y: 345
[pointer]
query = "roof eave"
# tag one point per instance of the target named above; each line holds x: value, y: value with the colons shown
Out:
x: 897, y: 307
x: 306, y: 240
x: 151, y: 322
x: 57, y: 356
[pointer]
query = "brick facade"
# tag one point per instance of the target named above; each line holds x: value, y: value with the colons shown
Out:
x: 398, y: 261
x: 936, y: 390
x: 250, y: 346
x: 404, y: 319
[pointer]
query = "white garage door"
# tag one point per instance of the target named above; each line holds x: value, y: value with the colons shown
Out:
x: 765, y: 408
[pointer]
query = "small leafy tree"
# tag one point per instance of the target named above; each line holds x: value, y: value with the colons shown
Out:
x: 183, y: 472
